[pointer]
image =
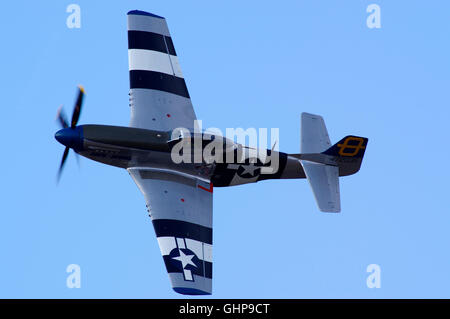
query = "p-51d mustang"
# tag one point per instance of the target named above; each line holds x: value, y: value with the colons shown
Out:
x: 179, y: 195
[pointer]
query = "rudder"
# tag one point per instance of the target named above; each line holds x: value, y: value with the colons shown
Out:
x: 348, y: 154
x: 349, y: 146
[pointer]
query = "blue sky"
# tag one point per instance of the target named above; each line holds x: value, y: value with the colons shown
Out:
x: 246, y: 64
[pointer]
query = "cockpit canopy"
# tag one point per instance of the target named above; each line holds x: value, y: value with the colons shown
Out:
x: 203, y: 139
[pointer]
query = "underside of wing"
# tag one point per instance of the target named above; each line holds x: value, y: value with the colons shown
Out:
x: 180, y: 206
x: 159, y: 98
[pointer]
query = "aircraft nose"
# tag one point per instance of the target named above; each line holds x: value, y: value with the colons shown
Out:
x: 69, y: 137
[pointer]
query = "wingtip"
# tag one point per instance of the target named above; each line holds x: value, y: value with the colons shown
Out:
x: 329, y: 209
x: 190, y: 291
x: 143, y: 13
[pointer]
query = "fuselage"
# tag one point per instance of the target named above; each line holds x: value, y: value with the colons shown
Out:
x: 127, y: 147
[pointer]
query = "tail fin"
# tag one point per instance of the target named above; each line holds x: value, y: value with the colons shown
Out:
x: 324, y: 164
x: 349, y: 146
x: 348, y: 154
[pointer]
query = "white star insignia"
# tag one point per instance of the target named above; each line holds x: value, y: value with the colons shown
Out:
x: 185, y: 259
x: 249, y: 169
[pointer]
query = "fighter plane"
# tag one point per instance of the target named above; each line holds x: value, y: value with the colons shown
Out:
x: 179, y: 195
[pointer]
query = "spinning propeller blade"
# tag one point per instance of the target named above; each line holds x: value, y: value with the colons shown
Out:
x: 63, y: 122
x: 77, y: 108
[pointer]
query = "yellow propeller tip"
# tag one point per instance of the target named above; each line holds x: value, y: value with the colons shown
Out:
x: 59, y: 111
x: 81, y: 88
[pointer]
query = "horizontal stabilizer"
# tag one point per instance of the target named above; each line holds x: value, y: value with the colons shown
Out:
x: 324, y: 181
x: 314, y: 134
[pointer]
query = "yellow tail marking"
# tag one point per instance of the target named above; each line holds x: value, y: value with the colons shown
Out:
x: 354, y: 149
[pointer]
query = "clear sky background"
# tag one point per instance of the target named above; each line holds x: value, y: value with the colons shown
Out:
x: 246, y: 64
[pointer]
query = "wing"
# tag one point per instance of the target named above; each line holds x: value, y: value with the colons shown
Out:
x: 159, y: 98
x: 180, y: 206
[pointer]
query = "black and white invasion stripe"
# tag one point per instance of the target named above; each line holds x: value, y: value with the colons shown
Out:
x: 153, y: 62
x: 177, y: 234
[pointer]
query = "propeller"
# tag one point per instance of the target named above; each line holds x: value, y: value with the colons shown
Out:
x: 61, y: 118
